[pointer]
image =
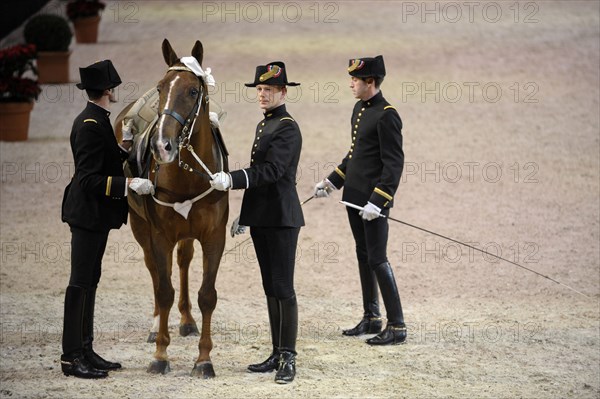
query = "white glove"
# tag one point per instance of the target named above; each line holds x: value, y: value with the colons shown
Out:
x: 324, y: 188
x: 237, y: 228
x: 141, y: 186
x: 127, y: 130
x: 370, y: 212
x: 221, y: 181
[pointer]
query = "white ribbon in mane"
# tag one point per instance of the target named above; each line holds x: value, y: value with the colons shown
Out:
x: 194, y: 66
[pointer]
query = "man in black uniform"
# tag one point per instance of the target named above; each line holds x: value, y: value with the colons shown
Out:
x: 272, y: 210
x: 370, y: 174
x: 93, y: 203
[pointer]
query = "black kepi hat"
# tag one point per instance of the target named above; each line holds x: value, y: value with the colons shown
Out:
x: 101, y: 75
x: 272, y: 74
x: 367, y: 67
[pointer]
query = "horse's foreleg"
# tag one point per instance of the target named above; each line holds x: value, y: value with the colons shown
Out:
x: 155, y: 318
x: 160, y: 261
x: 185, y: 253
x: 207, y: 300
x: 141, y: 231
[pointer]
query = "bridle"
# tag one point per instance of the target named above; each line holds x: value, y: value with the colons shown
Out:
x: 184, y: 138
x: 183, y: 141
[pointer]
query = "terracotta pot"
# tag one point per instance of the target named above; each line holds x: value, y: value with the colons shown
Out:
x: 53, y: 67
x: 14, y: 120
x: 86, y: 29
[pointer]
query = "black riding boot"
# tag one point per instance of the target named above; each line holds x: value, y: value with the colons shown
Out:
x: 88, y: 335
x: 274, y: 319
x: 286, y: 370
x: 371, y: 321
x: 73, y: 361
x: 395, y: 331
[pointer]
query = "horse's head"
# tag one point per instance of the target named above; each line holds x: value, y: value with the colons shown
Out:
x: 182, y: 98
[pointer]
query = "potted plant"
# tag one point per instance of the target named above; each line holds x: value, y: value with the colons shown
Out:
x: 85, y: 15
x: 18, y: 89
x: 51, y: 36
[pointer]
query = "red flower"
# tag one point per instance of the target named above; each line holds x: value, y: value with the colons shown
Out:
x: 18, y: 89
x: 84, y: 8
x: 14, y: 63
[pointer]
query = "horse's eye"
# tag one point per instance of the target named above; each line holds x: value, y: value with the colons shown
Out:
x: 158, y: 89
x: 194, y: 92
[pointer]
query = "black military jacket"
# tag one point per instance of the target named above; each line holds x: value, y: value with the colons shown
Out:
x: 271, y: 199
x: 95, y: 197
x: 372, y: 168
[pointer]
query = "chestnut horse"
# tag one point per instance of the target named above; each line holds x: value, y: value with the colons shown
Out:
x: 158, y: 227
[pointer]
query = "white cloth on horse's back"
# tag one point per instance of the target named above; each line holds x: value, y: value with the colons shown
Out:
x: 194, y: 66
x: 214, y: 119
x: 144, y: 112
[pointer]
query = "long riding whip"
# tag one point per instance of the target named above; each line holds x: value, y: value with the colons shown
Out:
x: 350, y: 205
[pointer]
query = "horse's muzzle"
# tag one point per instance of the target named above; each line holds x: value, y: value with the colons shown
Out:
x: 163, y: 149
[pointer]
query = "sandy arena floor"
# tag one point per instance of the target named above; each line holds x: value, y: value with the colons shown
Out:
x: 500, y: 104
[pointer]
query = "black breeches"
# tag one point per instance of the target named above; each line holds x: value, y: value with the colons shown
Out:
x: 87, y: 250
x: 370, y: 237
x: 276, y: 252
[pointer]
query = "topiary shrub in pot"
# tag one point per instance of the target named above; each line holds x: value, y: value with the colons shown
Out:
x: 85, y: 15
x: 52, y: 36
x: 18, y: 89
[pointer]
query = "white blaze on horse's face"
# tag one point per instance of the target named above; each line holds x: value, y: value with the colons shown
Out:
x: 180, y: 101
x: 164, y: 146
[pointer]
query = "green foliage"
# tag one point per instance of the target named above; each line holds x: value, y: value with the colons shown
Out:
x: 48, y: 32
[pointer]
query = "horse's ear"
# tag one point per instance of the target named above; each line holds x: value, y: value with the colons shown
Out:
x: 198, y: 51
x: 168, y: 53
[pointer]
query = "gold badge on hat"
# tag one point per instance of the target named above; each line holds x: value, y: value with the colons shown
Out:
x: 273, y: 71
x: 356, y: 64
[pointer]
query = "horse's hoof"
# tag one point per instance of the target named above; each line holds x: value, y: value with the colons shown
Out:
x: 159, y: 367
x: 152, y: 337
x: 186, y: 330
x: 204, y: 370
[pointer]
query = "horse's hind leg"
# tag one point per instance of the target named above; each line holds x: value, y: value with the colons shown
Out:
x: 207, y: 300
x: 185, y: 253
